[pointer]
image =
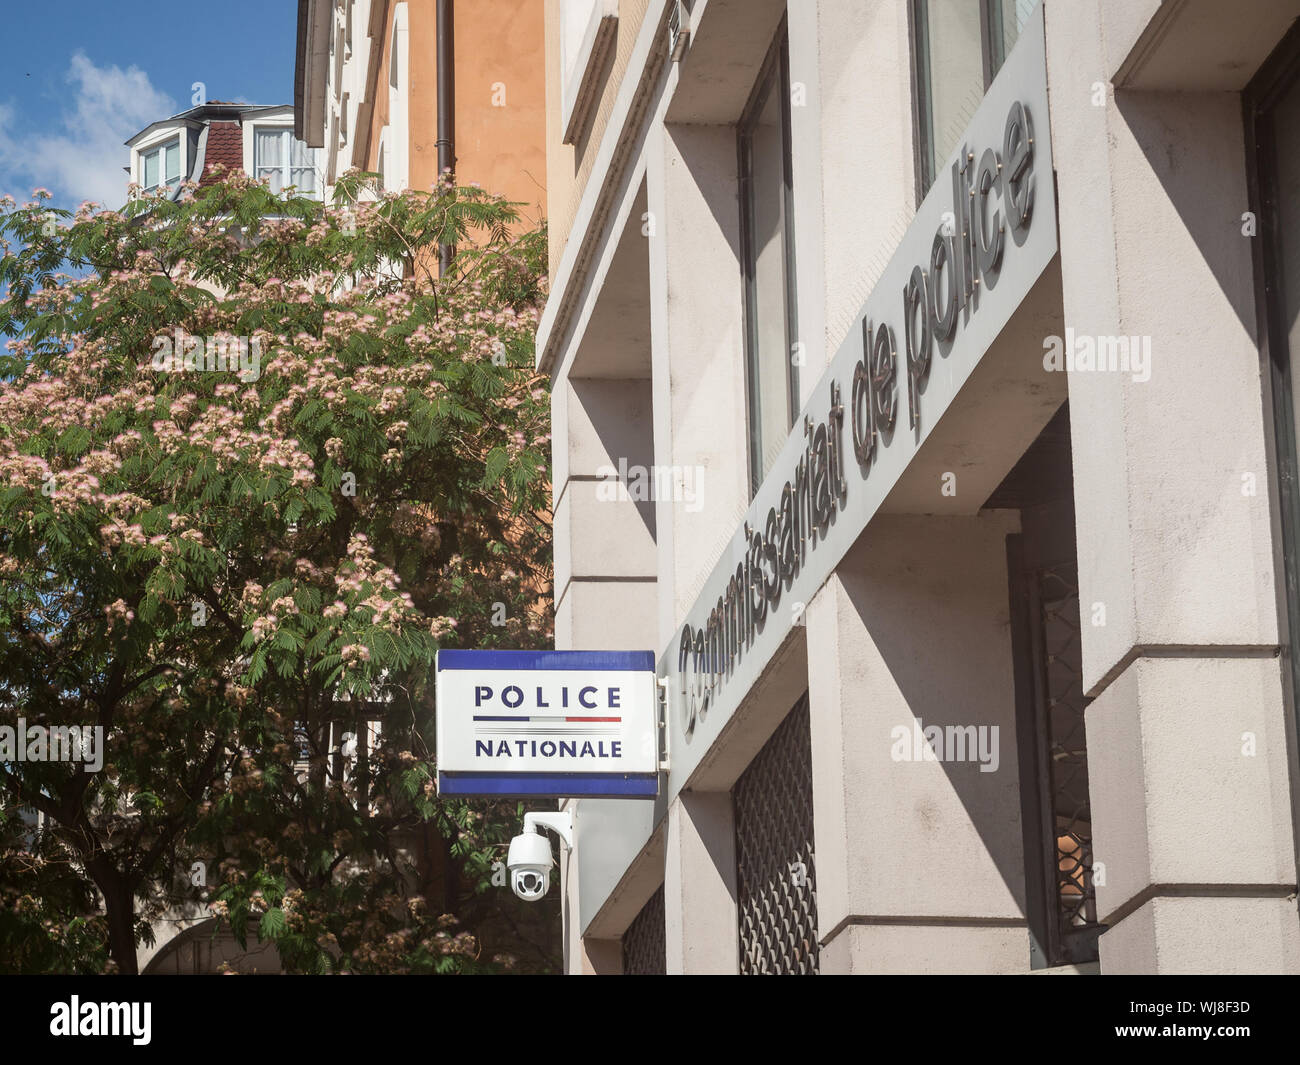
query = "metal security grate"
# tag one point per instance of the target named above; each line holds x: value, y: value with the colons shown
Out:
x: 775, y: 878
x: 1061, y: 707
x: 645, y: 952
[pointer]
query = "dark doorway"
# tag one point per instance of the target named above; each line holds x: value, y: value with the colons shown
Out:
x: 1046, y: 636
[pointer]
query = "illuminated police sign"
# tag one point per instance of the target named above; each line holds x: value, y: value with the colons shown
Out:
x: 559, y: 723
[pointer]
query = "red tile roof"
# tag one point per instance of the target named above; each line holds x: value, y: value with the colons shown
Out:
x: 225, y: 146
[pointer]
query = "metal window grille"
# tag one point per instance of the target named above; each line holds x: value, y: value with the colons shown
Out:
x: 645, y: 951
x: 775, y: 877
x: 1063, y: 754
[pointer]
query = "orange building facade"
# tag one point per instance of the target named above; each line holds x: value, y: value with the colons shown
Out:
x: 366, y: 92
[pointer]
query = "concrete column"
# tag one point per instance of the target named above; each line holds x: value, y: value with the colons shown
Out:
x: 604, y: 538
x: 1188, y: 781
x: 700, y: 914
x: 698, y: 353
x: 582, y: 956
x: 604, y: 568
x: 1187, y: 751
x: 920, y: 863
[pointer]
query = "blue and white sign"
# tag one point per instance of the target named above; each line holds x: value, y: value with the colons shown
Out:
x: 558, y: 723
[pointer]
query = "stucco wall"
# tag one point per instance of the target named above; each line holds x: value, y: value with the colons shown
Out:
x: 500, y: 98
x: 501, y: 51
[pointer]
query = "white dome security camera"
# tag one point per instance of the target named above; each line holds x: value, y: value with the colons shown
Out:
x: 530, y: 860
x: 530, y: 865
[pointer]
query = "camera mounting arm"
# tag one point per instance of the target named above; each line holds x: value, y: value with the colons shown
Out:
x: 560, y: 822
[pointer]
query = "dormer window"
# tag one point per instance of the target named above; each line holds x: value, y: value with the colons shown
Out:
x: 285, y: 161
x: 161, y: 165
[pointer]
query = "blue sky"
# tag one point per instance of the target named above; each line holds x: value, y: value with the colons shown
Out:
x: 77, y: 77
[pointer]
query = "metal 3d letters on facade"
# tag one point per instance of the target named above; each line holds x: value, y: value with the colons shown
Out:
x: 992, y: 203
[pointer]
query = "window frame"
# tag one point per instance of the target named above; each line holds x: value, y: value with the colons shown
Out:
x: 773, y: 76
x: 992, y: 57
x: 159, y: 147
x: 1278, y: 75
x: 286, y: 167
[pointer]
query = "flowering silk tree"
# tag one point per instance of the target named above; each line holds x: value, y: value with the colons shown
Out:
x: 257, y: 464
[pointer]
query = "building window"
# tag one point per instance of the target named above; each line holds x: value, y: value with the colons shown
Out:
x: 767, y: 255
x: 284, y: 161
x: 161, y: 166
x: 1004, y: 20
x: 958, y: 46
x: 1272, y: 113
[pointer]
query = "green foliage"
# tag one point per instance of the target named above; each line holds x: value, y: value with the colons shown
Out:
x: 232, y: 556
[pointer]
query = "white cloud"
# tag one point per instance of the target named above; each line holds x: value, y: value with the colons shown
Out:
x: 84, y: 157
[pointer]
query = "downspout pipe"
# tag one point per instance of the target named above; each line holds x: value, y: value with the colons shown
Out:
x: 446, y: 48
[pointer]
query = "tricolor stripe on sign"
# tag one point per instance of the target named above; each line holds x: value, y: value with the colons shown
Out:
x: 538, y: 717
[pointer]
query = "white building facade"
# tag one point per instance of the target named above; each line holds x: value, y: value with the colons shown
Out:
x: 341, y: 46
x: 922, y: 398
